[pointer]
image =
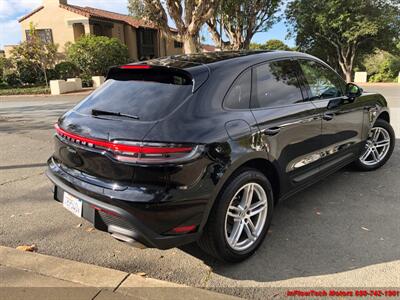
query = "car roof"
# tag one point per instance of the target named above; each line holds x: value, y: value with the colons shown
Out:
x: 218, y: 56
x: 203, y: 65
x: 223, y: 58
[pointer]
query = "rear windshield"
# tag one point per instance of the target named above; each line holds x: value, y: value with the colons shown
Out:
x: 148, y: 97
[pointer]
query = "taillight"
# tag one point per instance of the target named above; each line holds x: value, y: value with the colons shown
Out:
x: 136, y: 152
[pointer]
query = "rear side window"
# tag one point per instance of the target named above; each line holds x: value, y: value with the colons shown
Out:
x: 322, y: 81
x: 148, y: 95
x: 238, y: 96
x: 275, y: 84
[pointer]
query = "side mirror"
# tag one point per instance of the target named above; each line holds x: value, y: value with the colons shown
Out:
x: 334, y: 103
x: 353, y: 91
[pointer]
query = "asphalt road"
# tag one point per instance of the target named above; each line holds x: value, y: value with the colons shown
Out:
x: 389, y: 90
x: 347, y: 225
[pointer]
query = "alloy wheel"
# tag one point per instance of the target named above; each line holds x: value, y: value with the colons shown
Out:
x: 246, y: 216
x: 377, y: 146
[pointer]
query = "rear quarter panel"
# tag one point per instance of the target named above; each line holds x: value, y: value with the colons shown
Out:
x: 374, y: 105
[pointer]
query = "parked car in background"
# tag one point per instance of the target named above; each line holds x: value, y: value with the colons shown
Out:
x: 202, y: 147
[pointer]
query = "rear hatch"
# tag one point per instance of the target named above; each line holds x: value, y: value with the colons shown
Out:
x: 102, y: 136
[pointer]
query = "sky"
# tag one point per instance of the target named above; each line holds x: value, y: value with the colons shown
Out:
x: 12, y: 10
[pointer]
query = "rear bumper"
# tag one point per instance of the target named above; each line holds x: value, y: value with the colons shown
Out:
x: 130, y: 221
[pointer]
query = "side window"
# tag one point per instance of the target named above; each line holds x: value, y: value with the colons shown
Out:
x: 238, y: 96
x: 323, y: 82
x: 275, y: 84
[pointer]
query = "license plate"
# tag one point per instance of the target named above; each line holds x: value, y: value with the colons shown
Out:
x: 73, y: 204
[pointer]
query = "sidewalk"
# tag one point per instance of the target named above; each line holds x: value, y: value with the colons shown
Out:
x: 26, y: 275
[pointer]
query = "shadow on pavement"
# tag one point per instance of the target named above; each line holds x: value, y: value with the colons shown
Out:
x: 347, y: 221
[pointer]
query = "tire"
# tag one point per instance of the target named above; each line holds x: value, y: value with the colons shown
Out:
x: 215, y: 239
x: 369, y: 163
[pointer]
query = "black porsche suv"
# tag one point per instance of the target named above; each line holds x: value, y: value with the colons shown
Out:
x: 201, y: 147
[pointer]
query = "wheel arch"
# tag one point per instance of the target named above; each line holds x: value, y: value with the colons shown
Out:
x: 269, y: 170
x: 257, y: 162
x: 384, y: 115
x: 374, y: 113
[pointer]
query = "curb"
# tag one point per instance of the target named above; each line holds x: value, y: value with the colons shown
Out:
x: 101, y: 277
x: 64, y: 269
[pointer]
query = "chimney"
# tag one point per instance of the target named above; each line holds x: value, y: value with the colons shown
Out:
x: 47, y: 3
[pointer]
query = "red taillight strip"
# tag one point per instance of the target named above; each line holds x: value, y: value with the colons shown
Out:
x: 135, y: 67
x: 113, y: 146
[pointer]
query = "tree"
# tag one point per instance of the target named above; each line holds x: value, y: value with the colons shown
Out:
x: 188, y: 15
x: 347, y: 28
x: 94, y: 55
x: 382, y: 66
x: 239, y: 21
x: 270, y: 45
x: 36, y: 53
x: 5, y: 65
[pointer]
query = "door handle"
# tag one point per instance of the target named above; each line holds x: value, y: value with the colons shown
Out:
x: 272, y: 131
x: 328, y: 116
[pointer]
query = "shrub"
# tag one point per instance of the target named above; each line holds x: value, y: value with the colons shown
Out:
x: 5, y: 64
x: 5, y: 68
x: 87, y: 81
x: 11, y: 78
x: 29, y: 72
x: 94, y: 55
x: 66, y: 70
x: 36, y: 52
x: 382, y: 66
x: 52, y: 74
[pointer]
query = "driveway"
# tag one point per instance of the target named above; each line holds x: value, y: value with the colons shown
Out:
x: 343, y: 231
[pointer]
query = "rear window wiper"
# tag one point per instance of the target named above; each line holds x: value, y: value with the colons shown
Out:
x: 98, y: 112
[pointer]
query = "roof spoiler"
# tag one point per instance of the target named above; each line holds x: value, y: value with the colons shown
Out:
x: 197, y: 74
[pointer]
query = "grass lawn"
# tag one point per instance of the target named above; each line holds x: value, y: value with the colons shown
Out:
x: 36, y: 90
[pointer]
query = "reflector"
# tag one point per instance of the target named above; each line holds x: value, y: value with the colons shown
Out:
x: 184, y: 229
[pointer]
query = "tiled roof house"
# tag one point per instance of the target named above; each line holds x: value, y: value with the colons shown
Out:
x: 59, y: 22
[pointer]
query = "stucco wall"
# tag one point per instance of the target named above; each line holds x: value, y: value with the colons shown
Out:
x: 171, y: 50
x: 79, y: 31
x: 118, y: 32
x: 167, y: 47
x: 7, y: 50
x: 131, y: 41
x: 55, y: 18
